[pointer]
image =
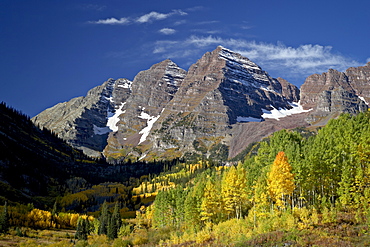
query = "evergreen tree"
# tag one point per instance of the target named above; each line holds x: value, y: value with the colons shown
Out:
x: 4, y: 219
x: 114, y: 223
x: 54, y: 213
x: 82, y: 229
x: 104, y: 219
x: 54, y: 210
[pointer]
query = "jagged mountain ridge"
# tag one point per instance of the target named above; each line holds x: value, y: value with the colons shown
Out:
x: 220, y: 90
x: 167, y: 112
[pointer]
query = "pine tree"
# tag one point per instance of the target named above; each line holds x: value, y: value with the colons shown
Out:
x: 104, y: 219
x: 280, y: 180
x: 54, y: 214
x: 114, y: 223
x: 4, y: 219
x: 82, y: 229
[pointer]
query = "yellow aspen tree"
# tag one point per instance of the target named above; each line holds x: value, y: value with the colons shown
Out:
x: 211, y: 203
x: 260, y: 202
x: 234, y: 191
x: 280, y: 180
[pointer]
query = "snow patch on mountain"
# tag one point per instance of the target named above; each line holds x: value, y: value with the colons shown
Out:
x: 282, y: 112
x: 124, y: 83
x: 150, y: 122
x: 172, y: 74
x: 113, y: 118
x: 234, y: 58
x: 242, y: 70
x: 275, y: 113
x: 363, y: 99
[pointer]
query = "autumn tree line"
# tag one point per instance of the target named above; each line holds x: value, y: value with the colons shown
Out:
x: 297, y: 173
x: 294, y: 178
x: 107, y: 223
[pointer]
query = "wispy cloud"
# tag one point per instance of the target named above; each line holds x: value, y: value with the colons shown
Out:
x: 151, y: 16
x: 286, y: 60
x: 147, y: 18
x: 206, y: 22
x: 309, y: 58
x: 181, y: 22
x: 112, y: 21
x: 154, y: 16
x: 167, y: 31
x: 205, y: 31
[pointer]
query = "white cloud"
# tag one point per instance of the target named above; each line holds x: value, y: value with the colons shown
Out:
x: 285, y: 61
x: 307, y: 58
x: 154, y: 16
x: 205, y: 31
x: 147, y: 18
x: 177, y: 23
x: 167, y: 31
x: 112, y: 21
x: 151, y: 16
x: 206, y: 22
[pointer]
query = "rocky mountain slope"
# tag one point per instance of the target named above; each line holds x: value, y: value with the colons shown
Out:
x: 335, y: 92
x: 221, y: 104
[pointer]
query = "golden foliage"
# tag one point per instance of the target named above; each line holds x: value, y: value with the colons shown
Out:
x: 280, y: 180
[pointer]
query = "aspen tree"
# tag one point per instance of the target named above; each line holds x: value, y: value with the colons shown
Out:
x: 211, y: 202
x: 233, y: 191
x: 280, y: 180
x: 260, y: 198
x: 192, y: 206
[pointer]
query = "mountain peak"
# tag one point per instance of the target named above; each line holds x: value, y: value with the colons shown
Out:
x: 167, y: 112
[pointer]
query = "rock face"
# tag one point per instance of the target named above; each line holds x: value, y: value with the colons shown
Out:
x: 82, y: 121
x: 220, y: 90
x: 151, y: 91
x: 220, y: 105
x: 359, y: 79
x: 335, y: 92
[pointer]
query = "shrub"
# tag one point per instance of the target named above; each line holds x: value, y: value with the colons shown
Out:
x: 118, y: 242
x: 232, y: 230
x: 140, y: 237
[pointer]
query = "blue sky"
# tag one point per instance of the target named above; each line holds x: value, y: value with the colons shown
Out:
x: 53, y: 50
